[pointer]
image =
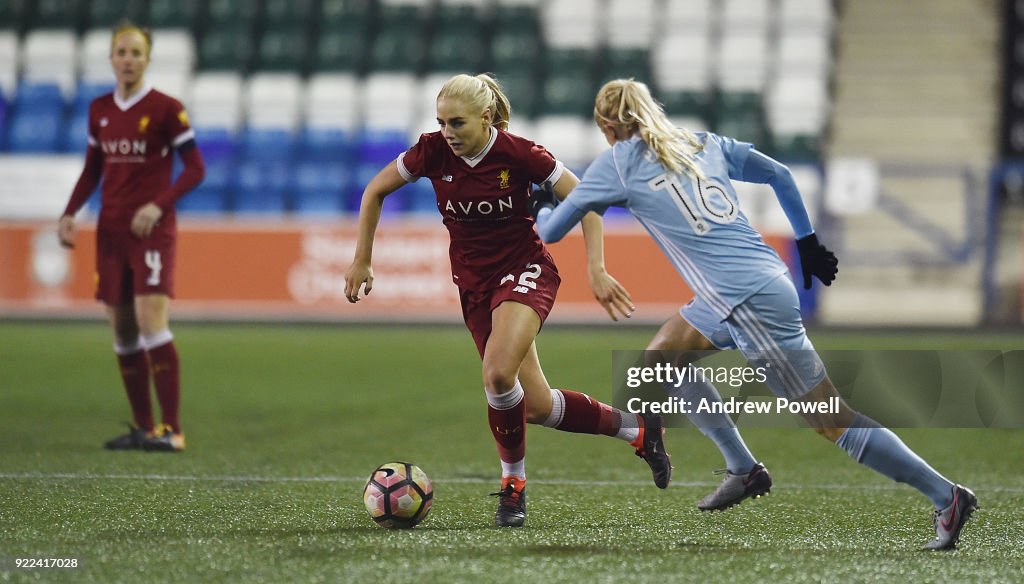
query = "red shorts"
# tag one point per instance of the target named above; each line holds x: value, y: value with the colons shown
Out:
x: 535, y: 285
x: 127, y: 266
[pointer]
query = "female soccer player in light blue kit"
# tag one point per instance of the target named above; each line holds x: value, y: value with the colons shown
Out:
x: 677, y: 184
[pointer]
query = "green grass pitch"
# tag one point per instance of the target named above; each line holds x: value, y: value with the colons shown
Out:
x: 284, y: 423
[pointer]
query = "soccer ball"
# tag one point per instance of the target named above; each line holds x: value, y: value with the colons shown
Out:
x: 398, y: 495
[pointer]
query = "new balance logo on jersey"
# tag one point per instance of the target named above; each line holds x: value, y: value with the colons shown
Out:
x: 124, y: 146
x: 478, y: 208
x: 447, y: 178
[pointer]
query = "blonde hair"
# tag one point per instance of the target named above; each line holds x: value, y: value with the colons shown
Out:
x: 129, y: 26
x: 628, y: 104
x: 480, y: 93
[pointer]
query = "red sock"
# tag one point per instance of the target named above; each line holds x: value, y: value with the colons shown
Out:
x: 509, y: 430
x: 586, y: 415
x: 135, y: 375
x: 163, y: 362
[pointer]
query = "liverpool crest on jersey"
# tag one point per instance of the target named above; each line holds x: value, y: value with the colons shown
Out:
x: 143, y: 124
x: 503, y: 179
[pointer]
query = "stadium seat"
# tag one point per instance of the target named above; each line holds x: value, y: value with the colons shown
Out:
x: 77, y: 136
x: 575, y: 24
x: 746, y: 16
x: 389, y: 102
x: 320, y: 188
x: 326, y: 144
x: 797, y: 104
x: 227, y: 48
x: 623, y: 63
x: 742, y: 63
x: 224, y: 14
x: 514, y: 52
x: 420, y: 198
x: 332, y: 101
x: 94, y: 56
x: 55, y: 14
x: 176, y: 85
x: 8, y: 62
x: 631, y: 23
x: 267, y: 144
x: 399, y: 48
x: 107, y: 13
x: 335, y: 13
x: 521, y: 88
x: 681, y: 62
x: 48, y: 56
x: 288, y: 14
x: 174, y: 51
x: 203, y: 200
x: 690, y: 17
x: 341, y: 48
x: 456, y: 51
x: 572, y: 139
x: 809, y: 16
x: 216, y: 100
x: 39, y: 98
x: 274, y: 100
x: 261, y: 187
x: 165, y: 14
x: 283, y: 49
x: 10, y: 17
x: 35, y: 132
x: 516, y: 15
x: 804, y: 53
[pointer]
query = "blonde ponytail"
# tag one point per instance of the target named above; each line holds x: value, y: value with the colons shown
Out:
x: 480, y: 93
x: 628, y: 104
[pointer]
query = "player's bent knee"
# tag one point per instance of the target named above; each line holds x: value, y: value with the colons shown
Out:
x: 830, y: 434
x: 499, y: 381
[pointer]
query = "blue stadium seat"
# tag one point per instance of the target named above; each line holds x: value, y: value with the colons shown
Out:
x: 395, y: 203
x: 203, y: 200
x: 325, y: 145
x: 213, y: 194
x: 216, y: 143
x: 267, y: 144
x: 77, y: 138
x: 420, y: 197
x: 261, y: 187
x: 36, y: 132
x: 3, y: 122
x: 320, y: 188
x: 39, y: 97
x: 380, y: 146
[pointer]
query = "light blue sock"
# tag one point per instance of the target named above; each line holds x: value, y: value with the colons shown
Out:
x: 718, y: 427
x: 878, y: 448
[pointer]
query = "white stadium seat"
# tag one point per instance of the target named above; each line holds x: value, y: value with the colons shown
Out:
x: 273, y: 100
x: 216, y: 100
x: 48, y: 56
x: 332, y: 101
x: 631, y: 23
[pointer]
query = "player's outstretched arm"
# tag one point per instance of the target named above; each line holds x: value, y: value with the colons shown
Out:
x: 607, y: 290
x: 815, y: 259
x: 360, y: 273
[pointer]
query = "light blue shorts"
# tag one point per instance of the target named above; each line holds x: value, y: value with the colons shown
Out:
x: 768, y: 330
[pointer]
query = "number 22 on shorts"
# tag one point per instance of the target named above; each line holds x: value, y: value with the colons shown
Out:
x: 526, y: 279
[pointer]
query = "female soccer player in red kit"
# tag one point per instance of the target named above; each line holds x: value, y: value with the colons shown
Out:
x: 133, y: 133
x: 507, y: 281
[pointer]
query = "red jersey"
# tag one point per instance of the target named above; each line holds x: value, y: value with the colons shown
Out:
x: 136, y: 139
x: 484, y: 201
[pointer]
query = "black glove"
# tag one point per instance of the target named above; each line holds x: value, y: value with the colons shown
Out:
x: 542, y: 198
x: 816, y: 260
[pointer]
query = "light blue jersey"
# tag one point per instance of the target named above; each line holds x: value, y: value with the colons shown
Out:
x: 697, y: 222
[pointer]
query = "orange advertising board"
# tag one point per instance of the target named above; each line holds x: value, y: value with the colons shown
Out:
x: 296, y: 270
